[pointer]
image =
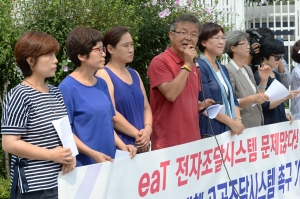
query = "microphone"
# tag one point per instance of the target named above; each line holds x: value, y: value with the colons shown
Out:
x: 195, y: 62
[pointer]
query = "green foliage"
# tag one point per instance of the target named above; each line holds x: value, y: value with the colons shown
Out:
x: 4, y: 188
x: 2, y: 162
x: 153, y: 34
x: 59, y: 17
x: 8, y: 37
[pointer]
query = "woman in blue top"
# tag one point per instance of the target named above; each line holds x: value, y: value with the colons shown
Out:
x: 87, y: 99
x: 216, y: 83
x: 133, y: 120
x: 271, y: 51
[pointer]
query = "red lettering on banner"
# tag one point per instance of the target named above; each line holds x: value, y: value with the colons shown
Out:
x: 295, y: 138
x: 282, y: 140
x: 227, y: 157
x: 218, y: 158
x: 144, y: 183
x: 196, y: 164
x: 155, y: 184
x: 207, y: 162
x: 239, y: 151
x: 183, y: 167
x: 252, y: 149
x: 292, y: 138
x: 265, y: 146
x: 275, y: 143
x: 164, y: 166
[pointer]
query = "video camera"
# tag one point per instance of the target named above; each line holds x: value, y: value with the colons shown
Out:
x: 254, y: 37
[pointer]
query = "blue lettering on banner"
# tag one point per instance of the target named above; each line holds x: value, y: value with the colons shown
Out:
x: 255, y: 186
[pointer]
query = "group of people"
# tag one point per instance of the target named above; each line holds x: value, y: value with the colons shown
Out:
x: 107, y: 105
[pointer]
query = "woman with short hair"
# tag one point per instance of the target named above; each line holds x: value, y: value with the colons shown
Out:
x: 88, y: 101
x: 271, y: 51
x: 216, y: 83
x: 250, y: 97
x: 26, y: 127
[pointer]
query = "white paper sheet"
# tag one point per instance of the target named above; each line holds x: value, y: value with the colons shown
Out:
x: 213, y: 110
x: 64, y: 131
x: 276, y: 91
x: 121, y: 154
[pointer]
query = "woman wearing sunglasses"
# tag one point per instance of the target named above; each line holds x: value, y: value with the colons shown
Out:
x: 271, y: 51
x: 250, y: 96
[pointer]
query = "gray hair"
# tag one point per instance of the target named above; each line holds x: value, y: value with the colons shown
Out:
x: 233, y: 37
x: 185, y: 18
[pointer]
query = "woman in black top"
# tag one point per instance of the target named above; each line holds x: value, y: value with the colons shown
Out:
x: 271, y: 51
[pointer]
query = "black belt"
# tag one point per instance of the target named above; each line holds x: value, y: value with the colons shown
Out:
x: 19, y: 166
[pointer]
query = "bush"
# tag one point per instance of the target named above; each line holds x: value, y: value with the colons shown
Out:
x: 147, y: 20
x: 4, y: 188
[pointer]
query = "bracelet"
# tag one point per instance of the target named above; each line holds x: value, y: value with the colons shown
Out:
x: 149, y: 125
x: 238, y: 117
x: 262, y: 87
x: 186, y: 68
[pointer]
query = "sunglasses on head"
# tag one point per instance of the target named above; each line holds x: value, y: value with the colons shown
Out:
x: 277, y: 57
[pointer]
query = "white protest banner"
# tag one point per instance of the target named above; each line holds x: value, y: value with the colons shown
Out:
x: 263, y: 162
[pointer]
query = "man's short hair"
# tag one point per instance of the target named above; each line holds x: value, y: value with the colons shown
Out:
x: 185, y: 18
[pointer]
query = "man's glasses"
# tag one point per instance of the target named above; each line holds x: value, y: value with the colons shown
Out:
x: 244, y: 43
x: 277, y: 57
x: 185, y: 34
x: 101, y: 49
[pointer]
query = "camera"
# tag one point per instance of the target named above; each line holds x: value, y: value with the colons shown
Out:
x: 254, y: 37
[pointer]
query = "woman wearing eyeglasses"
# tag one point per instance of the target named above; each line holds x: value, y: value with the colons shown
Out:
x: 133, y: 120
x: 271, y: 51
x: 88, y: 101
x: 250, y: 97
x: 216, y: 83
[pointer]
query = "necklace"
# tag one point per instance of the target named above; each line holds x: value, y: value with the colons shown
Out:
x: 37, y: 90
x: 31, y: 84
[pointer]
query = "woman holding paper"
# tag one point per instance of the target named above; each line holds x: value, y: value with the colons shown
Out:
x: 295, y: 85
x: 271, y: 51
x: 133, y: 120
x: 216, y: 83
x: 88, y: 101
x: 26, y: 127
x: 250, y: 97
